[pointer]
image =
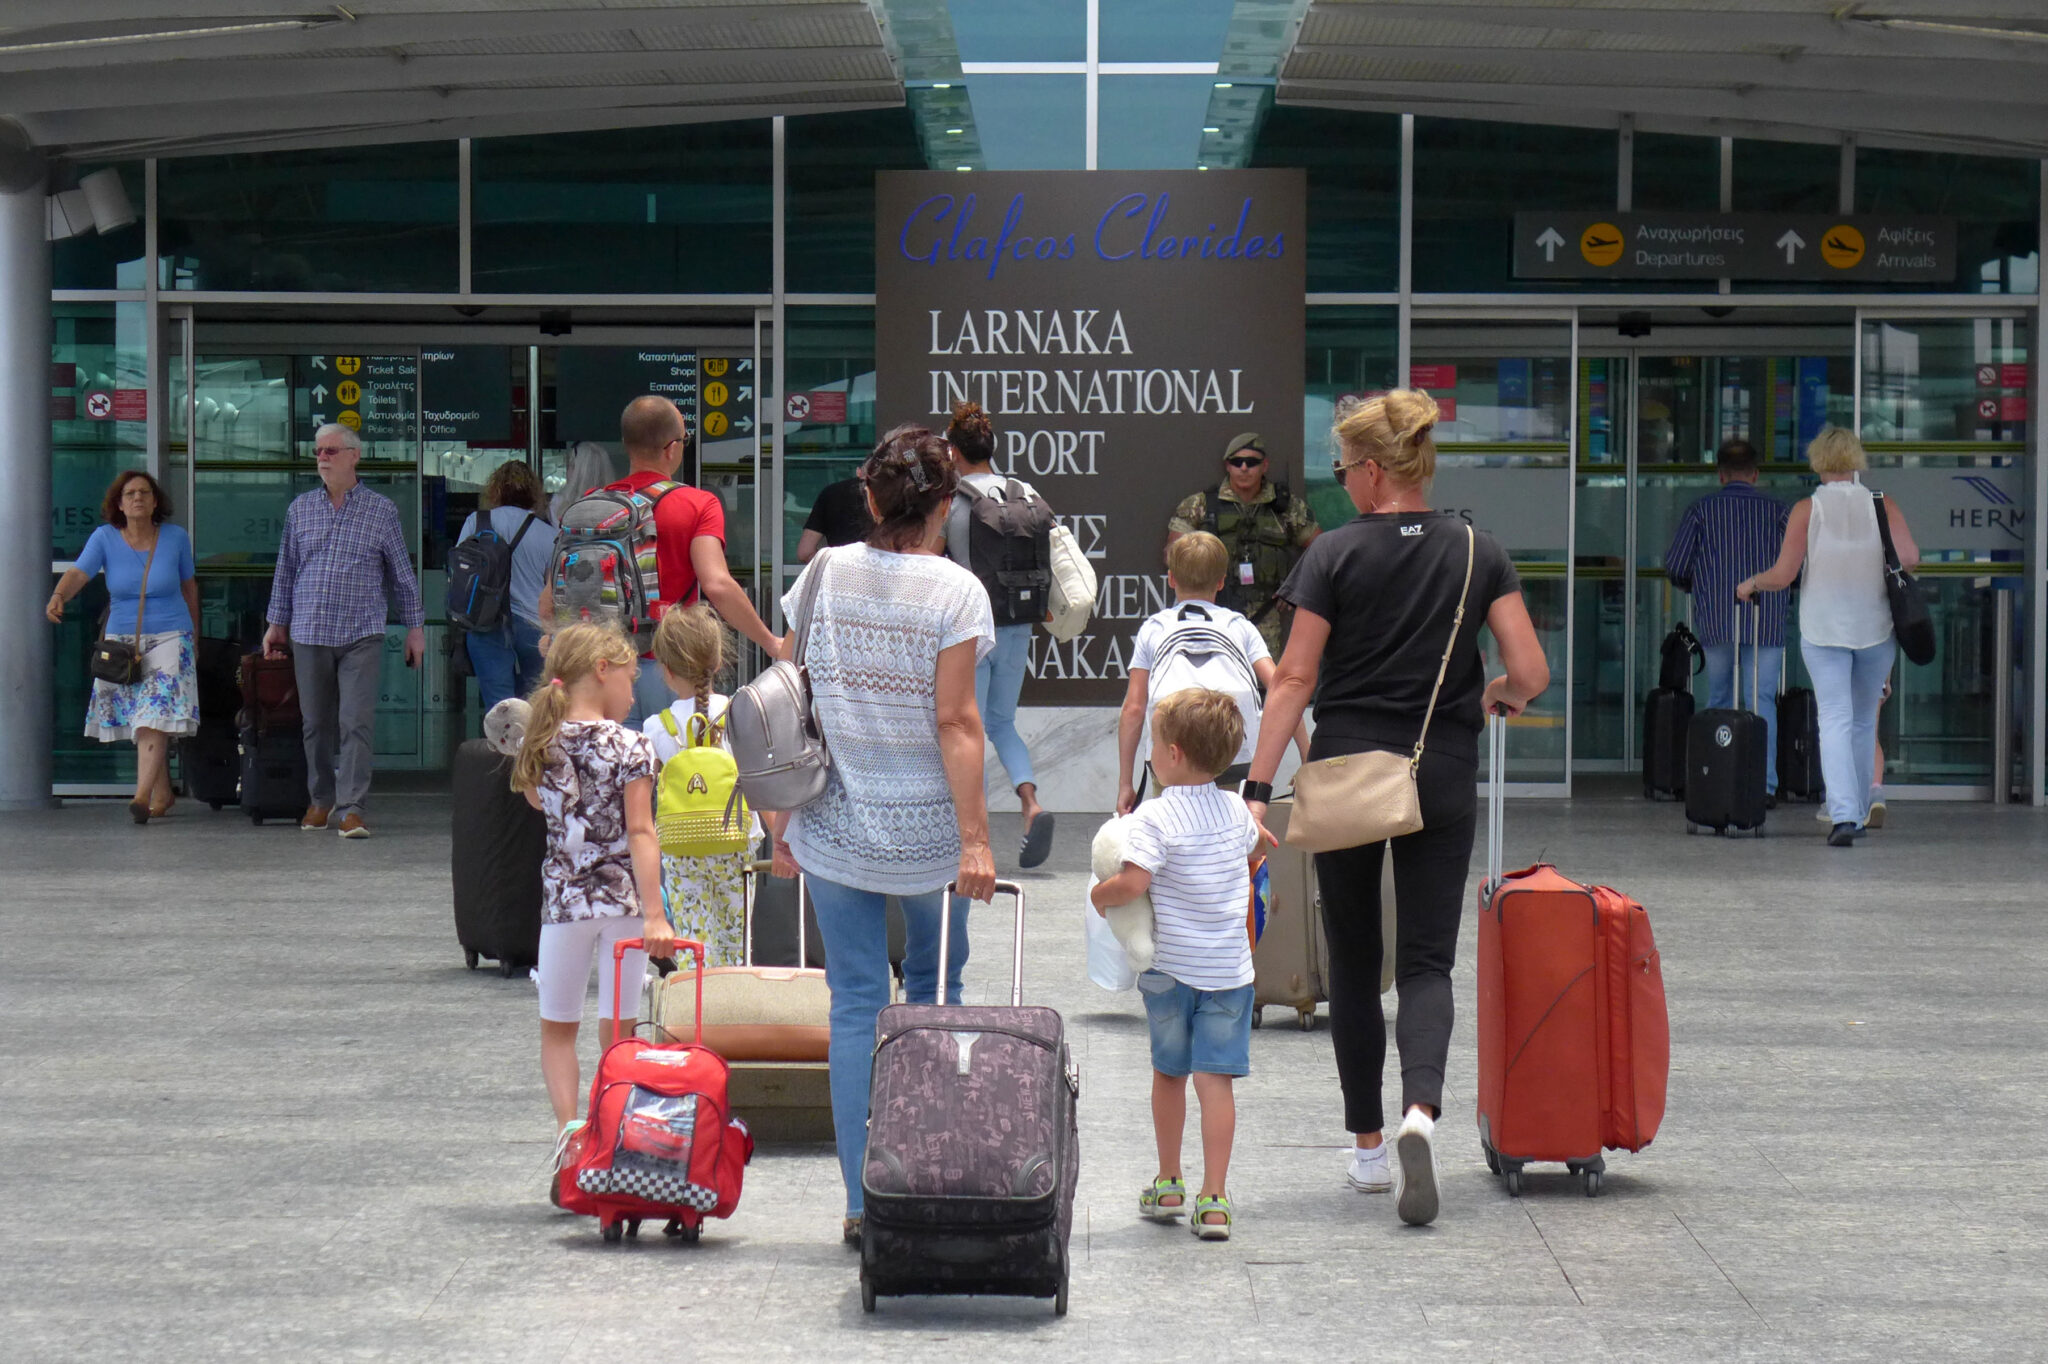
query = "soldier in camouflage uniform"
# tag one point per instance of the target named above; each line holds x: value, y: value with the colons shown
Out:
x: 1262, y: 524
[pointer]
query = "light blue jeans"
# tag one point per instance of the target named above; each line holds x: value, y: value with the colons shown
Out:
x: 507, y: 661
x: 1721, y: 694
x: 1848, y: 687
x: 855, y: 927
x: 998, y: 680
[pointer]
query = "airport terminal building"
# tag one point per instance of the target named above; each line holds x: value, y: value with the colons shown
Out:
x: 1607, y: 239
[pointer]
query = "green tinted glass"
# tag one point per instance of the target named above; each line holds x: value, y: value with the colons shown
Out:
x: 832, y: 160
x: 1471, y: 179
x: 1354, y: 192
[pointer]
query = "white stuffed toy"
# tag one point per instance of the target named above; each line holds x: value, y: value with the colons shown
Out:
x: 1131, y: 923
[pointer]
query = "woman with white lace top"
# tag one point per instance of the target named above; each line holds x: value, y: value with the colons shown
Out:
x: 896, y: 630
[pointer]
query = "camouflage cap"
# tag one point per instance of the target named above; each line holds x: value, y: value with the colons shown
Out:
x: 1245, y: 440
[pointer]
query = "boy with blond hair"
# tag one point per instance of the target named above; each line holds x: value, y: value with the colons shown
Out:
x: 1195, y: 642
x: 1192, y: 851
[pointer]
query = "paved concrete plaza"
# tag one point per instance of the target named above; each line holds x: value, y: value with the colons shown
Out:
x: 253, y: 1106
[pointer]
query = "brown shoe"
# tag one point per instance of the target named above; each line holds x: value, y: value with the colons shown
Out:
x: 352, y: 826
x: 316, y: 818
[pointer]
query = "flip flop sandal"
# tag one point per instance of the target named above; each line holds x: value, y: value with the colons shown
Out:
x: 1151, y: 1199
x: 1207, y: 1230
x: 1037, y: 840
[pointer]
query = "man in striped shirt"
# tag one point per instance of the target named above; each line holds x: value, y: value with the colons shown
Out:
x: 1722, y: 539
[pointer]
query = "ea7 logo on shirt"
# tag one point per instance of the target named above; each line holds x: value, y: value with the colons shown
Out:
x: 1411, y: 530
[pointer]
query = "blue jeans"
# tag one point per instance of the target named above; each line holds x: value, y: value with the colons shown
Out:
x: 651, y: 695
x: 1721, y: 694
x: 998, y: 680
x: 1848, y: 688
x: 855, y: 927
x: 506, y: 661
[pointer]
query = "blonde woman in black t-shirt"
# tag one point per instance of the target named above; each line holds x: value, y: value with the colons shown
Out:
x: 1374, y: 604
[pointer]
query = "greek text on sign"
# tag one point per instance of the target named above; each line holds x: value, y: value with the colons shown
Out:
x: 1749, y: 246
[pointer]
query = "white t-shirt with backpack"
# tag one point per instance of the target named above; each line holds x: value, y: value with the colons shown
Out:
x: 1201, y: 644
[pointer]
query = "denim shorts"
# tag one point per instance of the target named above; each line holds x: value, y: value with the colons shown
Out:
x: 1197, y: 1031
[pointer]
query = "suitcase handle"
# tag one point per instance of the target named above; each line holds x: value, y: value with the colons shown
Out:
x: 1017, y: 945
x: 1496, y: 800
x: 625, y: 945
x: 751, y: 876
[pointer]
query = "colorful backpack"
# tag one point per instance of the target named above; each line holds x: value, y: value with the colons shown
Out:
x: 605, y: 569
x: 694, y: 791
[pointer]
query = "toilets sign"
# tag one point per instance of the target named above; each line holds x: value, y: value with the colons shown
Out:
x: 1119, y: 327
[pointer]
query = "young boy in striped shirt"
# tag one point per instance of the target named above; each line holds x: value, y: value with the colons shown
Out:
x: 1192, y: 850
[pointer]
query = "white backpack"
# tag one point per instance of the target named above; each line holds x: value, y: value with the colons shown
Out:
x: 1198, y: 652
x: 1071, y: 595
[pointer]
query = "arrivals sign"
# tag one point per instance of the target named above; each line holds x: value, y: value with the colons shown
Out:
x: 1119, y: 327
x: 1864, y: 248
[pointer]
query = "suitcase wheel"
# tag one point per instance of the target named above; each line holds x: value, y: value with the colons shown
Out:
x: 1592, y: 1181
x: 507, y: 967
x: 1059, y: 1299
x: 686, y: 1234
x: 469, y: 957
x: 613, y: 1232
x: 1513, y: 1177
x: 867, y: 1295
x: 1492, y: 1160
x: 633, y: 1227
x: 1691, y: 828
x: 1307, y: 1018
x: 1591, y: 1173
x: 215, y: 805
x: 1258, y: 1016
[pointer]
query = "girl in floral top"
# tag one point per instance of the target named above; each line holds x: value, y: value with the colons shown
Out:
x: 594, y: 780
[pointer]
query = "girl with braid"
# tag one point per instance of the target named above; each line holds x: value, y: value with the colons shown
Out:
x: 706, y: 896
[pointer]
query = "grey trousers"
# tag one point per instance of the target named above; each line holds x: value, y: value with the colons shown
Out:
x: 338, y: 709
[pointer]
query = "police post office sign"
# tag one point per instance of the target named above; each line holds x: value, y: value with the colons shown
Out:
x: 1119, y: 327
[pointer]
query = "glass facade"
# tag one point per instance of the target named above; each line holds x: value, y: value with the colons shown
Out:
x: 1581, y: 469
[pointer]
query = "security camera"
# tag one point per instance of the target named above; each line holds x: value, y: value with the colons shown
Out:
x: 1634, y: 324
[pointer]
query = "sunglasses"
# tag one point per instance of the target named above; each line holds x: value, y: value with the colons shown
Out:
x: 1245, y: 461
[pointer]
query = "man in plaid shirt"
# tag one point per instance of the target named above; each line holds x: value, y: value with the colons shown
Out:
x: 342, y: 554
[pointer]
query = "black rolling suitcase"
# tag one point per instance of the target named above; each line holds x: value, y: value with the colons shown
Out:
x: 974, y: 1147
x: 498, y: 845
x: 1726, y: 757
x: 210, y: 762
x: 1799, y: 746
x: 1666, y: 713
x: 273, y: 773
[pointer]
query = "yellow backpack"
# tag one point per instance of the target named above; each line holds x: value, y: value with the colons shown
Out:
x: 697, y: 809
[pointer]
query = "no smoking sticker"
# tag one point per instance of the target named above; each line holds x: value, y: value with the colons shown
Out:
x: 1600, y: 244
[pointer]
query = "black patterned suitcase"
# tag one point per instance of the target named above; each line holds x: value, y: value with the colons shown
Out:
x: 974, y: 1146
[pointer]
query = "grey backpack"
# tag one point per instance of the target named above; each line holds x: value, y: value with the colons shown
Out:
x: 772, y: 728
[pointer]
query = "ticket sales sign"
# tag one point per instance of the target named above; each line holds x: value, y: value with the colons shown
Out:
x: 1865, y: 248
x: 1119, y: 327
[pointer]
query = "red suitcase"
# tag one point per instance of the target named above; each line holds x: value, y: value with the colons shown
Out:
x: 659, y: 1140
x: 1574, y: 1041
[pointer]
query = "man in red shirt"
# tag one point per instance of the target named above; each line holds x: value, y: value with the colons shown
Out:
x: 689, y: 540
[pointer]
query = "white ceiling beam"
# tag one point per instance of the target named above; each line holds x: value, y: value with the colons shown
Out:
x: 763, y: 25
x: 2012, y: 80
x: 173, y: 83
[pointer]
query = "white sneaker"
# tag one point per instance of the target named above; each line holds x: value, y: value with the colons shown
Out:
x: 1875, y: 820
x: 1416, y: 1147
x: 1369, y: 1171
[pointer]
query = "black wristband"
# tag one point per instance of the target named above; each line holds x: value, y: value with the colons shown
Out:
x: 1260, y: 791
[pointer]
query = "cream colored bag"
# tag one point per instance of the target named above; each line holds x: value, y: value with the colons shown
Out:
x: 1359, y: 798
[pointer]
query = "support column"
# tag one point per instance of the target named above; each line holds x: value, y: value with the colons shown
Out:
x: 27, y: 685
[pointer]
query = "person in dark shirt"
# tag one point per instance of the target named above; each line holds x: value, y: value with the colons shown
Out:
x: 1388, y: 611
x: 838, y: 517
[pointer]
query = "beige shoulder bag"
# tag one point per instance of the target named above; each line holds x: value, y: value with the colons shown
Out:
x: 1359, y: 798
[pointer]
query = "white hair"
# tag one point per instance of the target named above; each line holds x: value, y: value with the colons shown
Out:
x: 348, y: 437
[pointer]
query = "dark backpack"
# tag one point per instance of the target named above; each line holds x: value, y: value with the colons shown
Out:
x: 1682, y: 658
x: 480, y: 576
x: 1009, y: 547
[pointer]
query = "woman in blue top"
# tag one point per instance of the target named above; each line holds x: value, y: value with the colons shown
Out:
x: 507, y: 660
x: 137, y: 539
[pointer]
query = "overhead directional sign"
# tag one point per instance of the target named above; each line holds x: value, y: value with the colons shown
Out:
x: 1867, y: 248
x: 376, y: 396
x: 725, y: 399
x: 593, y: 384
x: 467, y: 392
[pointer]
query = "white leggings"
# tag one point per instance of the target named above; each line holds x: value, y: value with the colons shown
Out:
x: 566, y: 953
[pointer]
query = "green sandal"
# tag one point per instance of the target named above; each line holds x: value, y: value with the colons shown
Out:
x: 1212, y: 1231
x: 1151, y: 1199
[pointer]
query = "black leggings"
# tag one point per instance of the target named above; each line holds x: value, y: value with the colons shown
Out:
x: 1430, y: 869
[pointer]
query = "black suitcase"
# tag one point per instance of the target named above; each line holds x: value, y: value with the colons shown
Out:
x: 1727, y: 759
x: 1666, y: 714
x: 498, y: 845
x: 974, y: 1147
x: 273, y: 774
x: 211, y: 762
x: 1799, y: 775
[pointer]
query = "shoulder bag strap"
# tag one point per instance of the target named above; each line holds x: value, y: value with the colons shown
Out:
x: 1457, y: 623
x: 524, y: 526
x: 802, y: 622
x: 142, y: 597
x: 1884, y: 533
x: 668, y: 722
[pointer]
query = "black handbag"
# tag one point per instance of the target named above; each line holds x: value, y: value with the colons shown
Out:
x: 116, y: 661
x: 1912, y: 624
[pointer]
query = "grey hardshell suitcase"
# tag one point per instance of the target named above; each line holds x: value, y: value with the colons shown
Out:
x: 974, y: 1146
x: 1290, y: 964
